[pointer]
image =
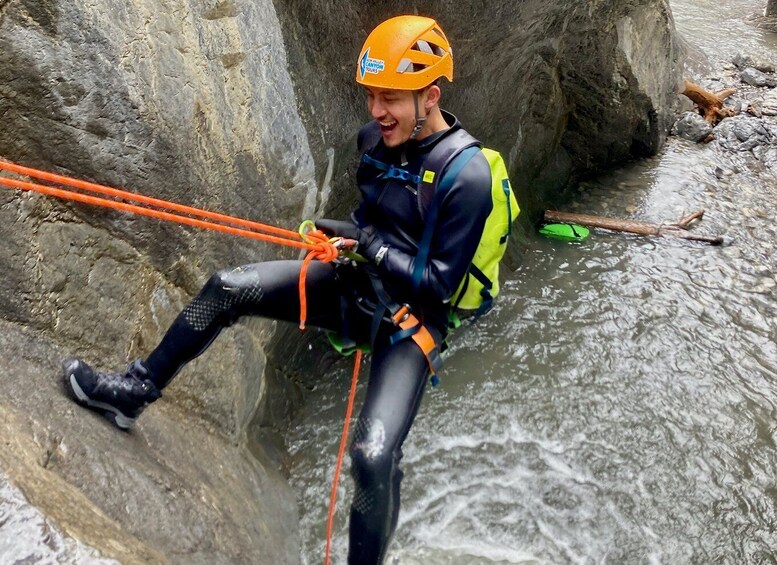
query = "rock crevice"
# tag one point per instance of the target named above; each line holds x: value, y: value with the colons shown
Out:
x: 244, y: 107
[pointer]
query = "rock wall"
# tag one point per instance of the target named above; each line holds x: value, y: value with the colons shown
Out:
x: 561, y: 88
x: 184, y: 101
x: 187, y: 101
x: 246, y: 107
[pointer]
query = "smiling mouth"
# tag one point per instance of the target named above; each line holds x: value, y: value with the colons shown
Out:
x: 387, y: 127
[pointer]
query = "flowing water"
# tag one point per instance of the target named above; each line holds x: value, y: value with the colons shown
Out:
x: 27, y: 537
x: 620, y: 404
x: 721, y: 29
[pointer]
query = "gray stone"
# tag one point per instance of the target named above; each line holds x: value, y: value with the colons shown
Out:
x: 754, y: 77
x: 692, y: 126
x: 742, y: 61
x: 763, y: 65
x: 142, y: 98
x: 192, y: 102
x: 171, y: 490
x: 744, y: 133
x: 768, y: 103
x: 740, y: 104
x: 759, y: 63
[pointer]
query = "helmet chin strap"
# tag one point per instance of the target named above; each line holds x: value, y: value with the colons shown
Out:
x: 419, y: 119
x: 419, y: 124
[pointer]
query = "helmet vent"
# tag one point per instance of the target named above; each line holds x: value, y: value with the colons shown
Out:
x: 405, y: 66
x: 408, y: 66
x: 426, y: 47
x: 422, y: 46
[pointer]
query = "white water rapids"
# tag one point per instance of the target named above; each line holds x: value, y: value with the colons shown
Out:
x: 620, y: 405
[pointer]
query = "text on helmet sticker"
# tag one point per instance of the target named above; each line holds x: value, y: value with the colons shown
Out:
x: 368, y: 65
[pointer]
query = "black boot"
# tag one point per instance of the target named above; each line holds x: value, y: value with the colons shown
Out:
x: 120, y: 397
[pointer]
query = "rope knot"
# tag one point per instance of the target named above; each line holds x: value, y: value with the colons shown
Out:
x: 323, y: 250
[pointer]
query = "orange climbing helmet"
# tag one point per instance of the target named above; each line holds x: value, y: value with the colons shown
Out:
x: 405, y: 53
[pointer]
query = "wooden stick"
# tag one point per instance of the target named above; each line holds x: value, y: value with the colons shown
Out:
x: 710, y: 104
x: 711, y: 239
x: 640, y: 228
x: 686, y: 221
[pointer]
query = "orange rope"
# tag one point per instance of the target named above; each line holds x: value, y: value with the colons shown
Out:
x: 97, y: 201
x: 132, y: 197
x: 324, y: 251
x: 317, y: 244
x: 340, y: 454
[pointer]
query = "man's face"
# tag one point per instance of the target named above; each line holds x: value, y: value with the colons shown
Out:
x: 395, y: 111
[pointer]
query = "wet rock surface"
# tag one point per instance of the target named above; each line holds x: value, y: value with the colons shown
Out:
x: 692, y: 126
x: 179, y: 102
x: 558, y: 88
x: 29, y: 537
x: 745, y: 133
x: 170, y: 491
x: 247, y: 108
x: 754, y: 77
x: 763, y: 103
x: 753, y: 128
x: 743, y: 62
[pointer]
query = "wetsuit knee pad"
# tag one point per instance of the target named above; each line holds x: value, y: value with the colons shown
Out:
x: 222, y: 298
x: 373, y: 463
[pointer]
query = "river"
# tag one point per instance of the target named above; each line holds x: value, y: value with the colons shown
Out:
x: 27, y: 536
x: 620, y: 403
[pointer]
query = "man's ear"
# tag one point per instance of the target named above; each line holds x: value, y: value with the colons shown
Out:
x: 432, y: 96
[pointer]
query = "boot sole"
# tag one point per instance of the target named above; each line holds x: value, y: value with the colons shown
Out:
x: 113, y: 414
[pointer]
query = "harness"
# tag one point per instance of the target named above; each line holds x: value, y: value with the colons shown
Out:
x: 441, y: 167
x: 407, y: 324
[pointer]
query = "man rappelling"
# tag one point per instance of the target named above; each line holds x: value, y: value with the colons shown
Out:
x: 430, y: 228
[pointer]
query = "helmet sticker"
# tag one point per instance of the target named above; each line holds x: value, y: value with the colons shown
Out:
x: 368, y: 65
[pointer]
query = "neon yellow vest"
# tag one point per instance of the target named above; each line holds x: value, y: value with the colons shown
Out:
x: 493, y: 242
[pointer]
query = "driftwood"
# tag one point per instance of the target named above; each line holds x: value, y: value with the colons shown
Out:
x: 677, y: 229
x: 710, y: 103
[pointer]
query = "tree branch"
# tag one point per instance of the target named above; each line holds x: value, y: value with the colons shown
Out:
x: 710, y: 104
x: 679, y: 229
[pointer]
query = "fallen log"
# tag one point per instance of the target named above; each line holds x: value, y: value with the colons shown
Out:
x: 710, y: 103
x: 676, y: 229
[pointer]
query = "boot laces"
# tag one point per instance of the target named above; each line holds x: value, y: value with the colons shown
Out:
x: 133, y: 382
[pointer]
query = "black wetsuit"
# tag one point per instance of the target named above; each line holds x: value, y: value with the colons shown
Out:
x: 338, y: 299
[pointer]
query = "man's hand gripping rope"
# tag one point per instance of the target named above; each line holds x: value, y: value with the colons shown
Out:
x: 318, y: 244
x: 326, y: 249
